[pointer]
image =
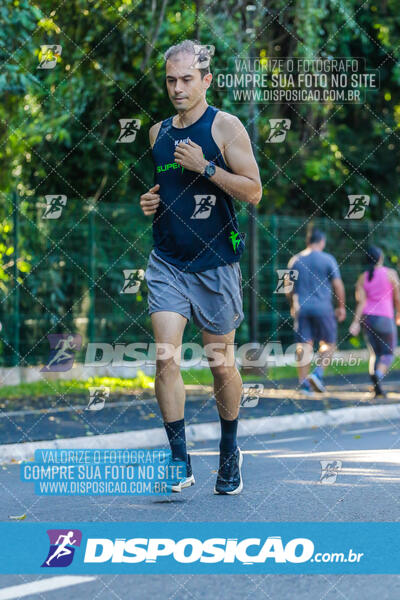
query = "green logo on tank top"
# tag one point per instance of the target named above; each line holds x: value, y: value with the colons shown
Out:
x: 234, y: 239
x: 174, y: 165
x: 161, y: 168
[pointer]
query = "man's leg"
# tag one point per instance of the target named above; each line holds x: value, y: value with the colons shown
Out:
x: 326, y: 351
x: 227, y: 379
x: 228, y: 392
x: 324, y: 358
x: 168, y: 330
x: 304, y: 353
x: 325, y: 330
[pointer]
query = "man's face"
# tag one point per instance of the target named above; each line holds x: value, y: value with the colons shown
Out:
x: 184, y: 83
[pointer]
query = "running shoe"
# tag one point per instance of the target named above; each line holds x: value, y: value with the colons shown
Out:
x: 305, y: 388
x: 377, y: 389
x: 316, y: 382
x: 179, y: 485
x: 229, y: 480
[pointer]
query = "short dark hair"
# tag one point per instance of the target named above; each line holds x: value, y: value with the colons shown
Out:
x: 188, y: 46
x: 315, y: 235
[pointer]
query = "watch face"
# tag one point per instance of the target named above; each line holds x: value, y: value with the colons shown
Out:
x: 210, y: 170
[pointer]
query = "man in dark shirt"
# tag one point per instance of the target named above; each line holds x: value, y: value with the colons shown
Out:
x: 202, y: 159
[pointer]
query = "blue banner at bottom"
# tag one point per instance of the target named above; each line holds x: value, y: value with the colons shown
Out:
x: 199, y: 547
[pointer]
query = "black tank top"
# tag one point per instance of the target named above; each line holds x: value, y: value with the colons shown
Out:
x: 195, y: 226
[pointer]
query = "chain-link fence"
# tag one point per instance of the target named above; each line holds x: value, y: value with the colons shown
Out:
x: 69, y: 273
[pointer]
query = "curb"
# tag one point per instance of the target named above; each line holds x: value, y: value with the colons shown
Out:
x: 155, y: 437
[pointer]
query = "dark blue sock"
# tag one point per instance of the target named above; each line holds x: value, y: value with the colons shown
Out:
x: 177, y: 439
x: 228, y: 435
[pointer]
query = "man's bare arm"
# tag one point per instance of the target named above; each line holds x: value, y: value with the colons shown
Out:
x: 150, y: 200
x: 340, y: 295
x: 244, y: 183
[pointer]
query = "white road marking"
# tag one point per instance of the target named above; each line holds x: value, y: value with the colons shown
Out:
x: 44, y: 585
x: 368, y: 430
x: 291, y: 439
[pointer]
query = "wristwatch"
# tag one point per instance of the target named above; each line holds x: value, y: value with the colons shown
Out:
x: 209, y: 169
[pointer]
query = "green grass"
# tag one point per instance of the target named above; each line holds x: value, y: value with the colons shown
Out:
x: 143, y: 382
x: 41, y: 388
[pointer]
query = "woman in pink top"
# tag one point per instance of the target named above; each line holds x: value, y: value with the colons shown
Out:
x: 377, y: 293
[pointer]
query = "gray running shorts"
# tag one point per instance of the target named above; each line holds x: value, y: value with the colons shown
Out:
x: 213, y: 297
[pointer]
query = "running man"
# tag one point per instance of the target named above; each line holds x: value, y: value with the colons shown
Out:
x: 193, y: 269
x: 64, y: 346
x: 315, y: 319
x: 376, y: 291
x: 62, y: 549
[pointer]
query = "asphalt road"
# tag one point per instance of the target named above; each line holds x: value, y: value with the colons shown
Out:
x: 281, y: 477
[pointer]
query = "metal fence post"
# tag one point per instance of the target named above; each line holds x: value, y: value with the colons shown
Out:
x: 253, y: 247
x: 16, y: 332
x: 274, y: 263
x: 92, y: 273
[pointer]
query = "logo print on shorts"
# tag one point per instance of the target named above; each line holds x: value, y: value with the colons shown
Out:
x: 62, y: 547
x: 133, y: 279
x: 204, y: 204
x: 48, y: 56
x: 286, y: 279
x: 62, y: 349
x: 329, y: 470
x: 357, y: 207
x: 129, y: 129
x: 279, y: 129
x: 54, y: 207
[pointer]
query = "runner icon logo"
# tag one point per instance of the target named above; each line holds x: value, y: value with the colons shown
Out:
x: 329, y: 470
x: 204, y: 204
x: 54, y: 206
x: 279, y: 129
x: 62, y: 547
x: 286, y: 279
x: 62, y: 350
x: 133, y: 279
x: 129, y: 129
x: 357, y: 207
x: 48, y: 56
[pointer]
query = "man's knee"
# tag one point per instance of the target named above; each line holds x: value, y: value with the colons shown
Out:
x: 167, y: 360
x: 223, y: 371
